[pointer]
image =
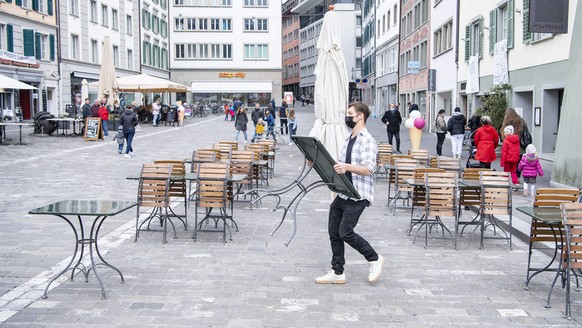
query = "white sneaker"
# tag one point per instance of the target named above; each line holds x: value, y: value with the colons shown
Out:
x: 290, y: 144
x: 126, y: 156
x: 245, y: 141
x: 131, y: 153
x: 331, y: 278
x: 376, y: 269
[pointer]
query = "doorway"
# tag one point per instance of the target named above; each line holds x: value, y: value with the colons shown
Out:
x: 24, y: 97
x: 551, y: 110
x: 523, y: 103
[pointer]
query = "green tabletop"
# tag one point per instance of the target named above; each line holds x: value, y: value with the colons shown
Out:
x: 85, y: 207
x: 550, y: 215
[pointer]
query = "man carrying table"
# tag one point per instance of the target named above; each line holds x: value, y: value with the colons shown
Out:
x: 358, y: 162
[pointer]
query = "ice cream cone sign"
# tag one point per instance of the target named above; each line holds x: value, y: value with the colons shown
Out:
x: 415, y: 123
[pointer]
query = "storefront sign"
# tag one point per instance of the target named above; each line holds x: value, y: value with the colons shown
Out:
x: 237, y: 75
x: 10, y: 58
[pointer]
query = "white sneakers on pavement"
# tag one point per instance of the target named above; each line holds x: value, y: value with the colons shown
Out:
x: 331, y: 278
x: 127, y: 156
x: 376, y: 269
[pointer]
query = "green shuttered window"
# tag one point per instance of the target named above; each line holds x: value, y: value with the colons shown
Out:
x: 52, y: 46
x: 49, y: 7
x: 37, y: 51
x: 28, y: 42
x: 10, y: 38
x: 492, y: 30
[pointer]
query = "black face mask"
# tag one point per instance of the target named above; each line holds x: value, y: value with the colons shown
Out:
x: 350, y: 122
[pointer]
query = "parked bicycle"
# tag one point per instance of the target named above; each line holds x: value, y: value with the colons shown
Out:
x: 188, y: 112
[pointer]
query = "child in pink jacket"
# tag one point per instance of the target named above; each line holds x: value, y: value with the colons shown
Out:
x: 530, y: 168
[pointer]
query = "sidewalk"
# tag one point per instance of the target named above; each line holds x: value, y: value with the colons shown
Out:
x: 254, y: 280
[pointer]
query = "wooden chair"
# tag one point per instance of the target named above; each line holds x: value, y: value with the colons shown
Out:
x: 271, y: 153
x: 470, y: 196
x: 419, y: 194
x: 212, y: 195
x: 392, y: 174
x: 441, y: 202
x: 383, y: 159
x: 433, y: 161
x: 154, y: 183
x: 242, y: 163
x: 541, y: 232
x: 233, y: 144
x: 177, y: 190
x: 421, y: 155
x: 260, y: 166
x: 495, y: 200
x: 225, y: 150
x: 404, y: 169
x: 449, y: 163
x: 572, y: 259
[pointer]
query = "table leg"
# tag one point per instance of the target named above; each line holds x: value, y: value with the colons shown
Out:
x: 99, y: 253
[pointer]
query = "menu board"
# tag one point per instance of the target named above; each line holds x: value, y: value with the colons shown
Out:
x: 92, y: 128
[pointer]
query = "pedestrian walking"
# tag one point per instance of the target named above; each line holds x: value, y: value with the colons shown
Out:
x: 86, y: 109
x: 128, y: 121
x: 292, y: 125
x: 456, y: 127
x: 120, y: 137
x: 270, y: 120
x: 156, y: 107
x: 181, y: 111
x: 259, y: 130
x: 240, y: 123
x: 440, y: 128
x: 283, y: 110
x: 530, y: 168
x: 486, y: 141
x: 510, y: 153
x: 302, y: 100
x: 104, y: 115
x: 357, y: 163
x: 392, y: 119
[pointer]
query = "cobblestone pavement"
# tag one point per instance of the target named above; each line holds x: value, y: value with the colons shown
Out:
x: 253, y: 280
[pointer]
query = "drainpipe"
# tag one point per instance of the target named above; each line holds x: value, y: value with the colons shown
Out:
x: 59, y: 61
x: 399, y: 42
x: 457, y: 24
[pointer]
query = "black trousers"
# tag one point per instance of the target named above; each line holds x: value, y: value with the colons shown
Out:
x: 440, y: 141
x: 284, y: 124
x: 397, y: 136
x: 485, y: 165
x: 343, y: 218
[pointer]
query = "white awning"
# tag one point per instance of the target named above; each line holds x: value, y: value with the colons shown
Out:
x: 231, y: 86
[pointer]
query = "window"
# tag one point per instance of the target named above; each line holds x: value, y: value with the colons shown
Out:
x: 129, y: 59
x: 116, y: 56
x: 191, y: 54
x: 203, y: 51
x: 190, y: 24
x: 146, y: 18
x: 474, y: 39
x: 104, y: 16
x: 226, y: 24
x: 262, y: 51
x: 226, y: 51
x: 215, y: 51
x: 203, y: 24
x: 215, y: 24
x: 179, y: 24
x: 423, y: 54
x: 249, y: 3
x: 43, y: 46
x: 501, y: 25
x: 74, y: 51
x: 42, y: 6
x: 180, y: 52
x: 114, y: 19
x: 155, y: 23
x: 73, y: 7
x: 262, y: 3
x: 129, y: 25
x: 226, y: 3
x: 262, y: 25
x: 3, y: 45
x: 164, y: 27
x: 442, y: 38
x: 249, y: 24
x: 93, y: 11
x: 249, y: 51
x: 424, y: 11
x: 146, y: 55
x: 94, y: 52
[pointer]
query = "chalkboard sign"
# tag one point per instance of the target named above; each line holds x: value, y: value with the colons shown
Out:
x: 92, y: 128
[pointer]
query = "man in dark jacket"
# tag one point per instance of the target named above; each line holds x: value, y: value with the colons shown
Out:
x: 456, y: 127
x: 86, y: 113
x: 95, y: 109
x: 412, y: 107
x: 392, y: 119
x: 128, y: 121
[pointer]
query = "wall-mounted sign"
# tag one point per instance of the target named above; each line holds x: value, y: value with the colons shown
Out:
x: 237, y: 75
x: 10, y: 58
x: 548, y: 16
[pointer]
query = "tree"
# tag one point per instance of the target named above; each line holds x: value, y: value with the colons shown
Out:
x: 494, y: 103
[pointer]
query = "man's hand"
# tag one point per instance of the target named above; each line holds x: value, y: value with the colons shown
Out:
x: 341, y: 168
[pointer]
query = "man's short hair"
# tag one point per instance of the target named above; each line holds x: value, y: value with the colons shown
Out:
x: 86, y: 99
x: 361, y: 108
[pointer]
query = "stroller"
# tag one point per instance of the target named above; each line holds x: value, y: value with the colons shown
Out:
x: 469, y: 142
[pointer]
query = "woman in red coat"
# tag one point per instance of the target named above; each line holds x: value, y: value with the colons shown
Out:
x: 486, y: 140
x: 510, y: 155
x: 104, y: 115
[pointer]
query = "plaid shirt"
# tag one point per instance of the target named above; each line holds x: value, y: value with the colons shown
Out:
x: 363, y: 153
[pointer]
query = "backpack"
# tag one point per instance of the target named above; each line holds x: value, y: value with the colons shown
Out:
x: 525, y: 138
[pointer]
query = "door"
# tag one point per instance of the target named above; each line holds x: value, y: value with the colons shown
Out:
x: 551, y: 103
x: 25, y: 104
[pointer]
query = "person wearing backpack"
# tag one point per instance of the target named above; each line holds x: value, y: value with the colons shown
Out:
x: 283, y: 117
x: 520, y: 129
x: 440, y: 128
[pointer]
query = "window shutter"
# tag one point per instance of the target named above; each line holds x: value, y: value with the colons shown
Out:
x: 52, y: 46
x: 526, y: 34
x: 492, y: 30
x: 35, y: 5
x: 143, y: 18
x: 49, y: 7
x: 9, y: 38
x: 481, y: 37
x: 9, y: 1
x: 467, y: 42
x: 19, y: 2
x: 37, y: 45
x: 510, y: 20
x: 28, y: 42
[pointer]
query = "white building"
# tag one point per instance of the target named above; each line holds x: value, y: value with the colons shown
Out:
x: 387, y: 25
x: 366, y: 85
x: 155, y: 38
x: 444, y: 55
x: 227, y: 49
x: 312, y: 12
x: 536, y: 64
x: 83, y: 26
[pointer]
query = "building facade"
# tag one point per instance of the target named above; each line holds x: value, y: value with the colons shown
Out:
x: 290, y: 41
x: 500, y: 49
x: 444, y: 56
x: 154, y: 37
x: 83, y: 26
x: 227, y: 50
x: 366, y: 85
x: 311, y: 18
x: 414, y: 60
x: 28, y: 53
x: 386, y: 83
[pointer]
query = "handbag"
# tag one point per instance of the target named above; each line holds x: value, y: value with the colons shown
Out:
x: 525, y: 138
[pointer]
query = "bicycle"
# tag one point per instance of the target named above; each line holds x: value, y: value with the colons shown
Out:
x: 217, y: 110
x: 188, y: 112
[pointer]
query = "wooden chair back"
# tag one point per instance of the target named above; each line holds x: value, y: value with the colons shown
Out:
x: 449, y: 163
x: 473, y: 173
x: 495, y: 193
x: 212, y: 185
x: 246, y: 156
x: 433, y: 161
x: 572, y: 220
x: 422, y: 155
x: 471, y: 196
x: 405, y: 170
x: 269, y: 142
x: 154, y: 182
x: 385, y: 148
x: 177, y: 187
x: 555, y: 196
x: 396, y: 157
x: 233, y: 144
x: 441, y: 190
x: 419, y: 193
